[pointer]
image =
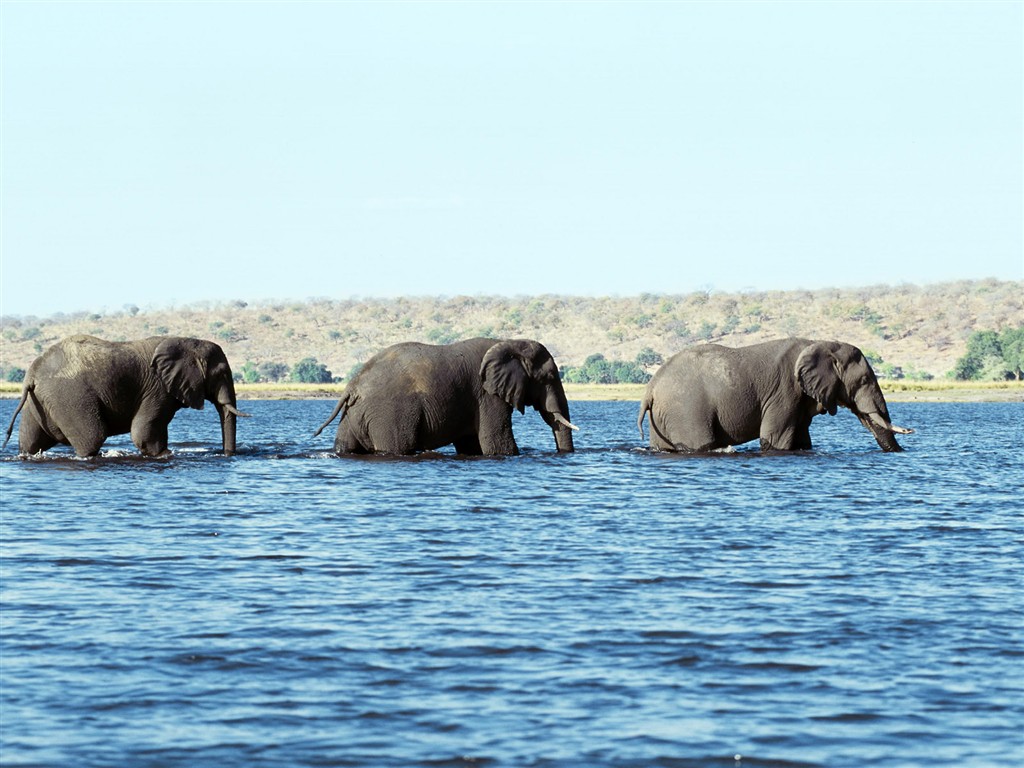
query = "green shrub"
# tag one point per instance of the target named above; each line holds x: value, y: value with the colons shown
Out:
x: 442, y: 335
x: 706, y: 331
x: 270, y: 371
x: 249, y: 373
x: 309, y: 371
x: 648, y: 358
x: 992, y: 356
x: 596, y: 369
x: 15, y: 375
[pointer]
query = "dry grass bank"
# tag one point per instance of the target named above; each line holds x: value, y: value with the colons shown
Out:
x: 921, y: 329
x: 954, y: 391
x: 286, y: 391
x: 895, y: 391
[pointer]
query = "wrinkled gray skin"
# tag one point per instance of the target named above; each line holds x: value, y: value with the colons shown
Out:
x: 711, y: 397
x: 417, y: 397
x: 82, y: 390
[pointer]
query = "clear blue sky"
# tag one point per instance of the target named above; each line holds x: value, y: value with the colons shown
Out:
x: 167, y: 153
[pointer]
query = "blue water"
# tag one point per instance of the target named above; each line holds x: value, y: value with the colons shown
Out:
x: 285, y: 607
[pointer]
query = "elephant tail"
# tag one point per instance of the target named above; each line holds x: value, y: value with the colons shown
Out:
x: 25, y: 392
x: 343, y: 402
x: 645, y: 406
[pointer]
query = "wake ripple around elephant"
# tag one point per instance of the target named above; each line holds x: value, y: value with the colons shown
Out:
x: 414, y: 397
x: 711, y: 397
x: 83, y: 390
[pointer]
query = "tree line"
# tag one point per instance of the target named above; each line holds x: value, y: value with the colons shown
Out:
x: 597, y: 369
x: 992, y: 356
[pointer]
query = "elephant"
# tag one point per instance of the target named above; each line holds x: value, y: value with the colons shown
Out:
x: 413, y: 397
x: 83, y: 389
x: 710, y: 397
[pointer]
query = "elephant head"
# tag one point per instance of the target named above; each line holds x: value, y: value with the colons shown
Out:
x: 193, y: 371
x: 833, y: 374
x: 522, y: 373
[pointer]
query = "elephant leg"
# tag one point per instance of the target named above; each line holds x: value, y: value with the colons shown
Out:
x: 397, y: 441
x: 494, y: 428
x: 657, y: 444
x: 660, y: 439
x: 777, y: 442
x: 700, y: 439
x: 394, y: 432
x: 695, y: 433
x: 404, y: 432
x: 80, y: 424
x: 150, y: 437
x: 498, y: 441
x: 779, y: 434
x: 32, y: 438
x: 89, y: 446
x: 347, y: 442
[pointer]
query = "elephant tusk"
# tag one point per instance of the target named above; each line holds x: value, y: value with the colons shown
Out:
x: 877, y: 419
x: 234, y: 411
x: 564, y: 421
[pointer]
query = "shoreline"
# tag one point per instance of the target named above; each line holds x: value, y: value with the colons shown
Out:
x: 895, y: 392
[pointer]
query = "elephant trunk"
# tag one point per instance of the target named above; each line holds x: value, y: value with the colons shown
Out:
x: 563, y: 435
x: 227, y: 428
x: 873, y: 413
x: 884, y: 431
x: 225, y: 403
x: 884, y: 437
x: 555, y: 413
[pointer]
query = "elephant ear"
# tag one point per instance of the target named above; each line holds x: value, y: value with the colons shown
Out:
x: 505, y: 371
x: 182, y: 370
x: 818, y: 373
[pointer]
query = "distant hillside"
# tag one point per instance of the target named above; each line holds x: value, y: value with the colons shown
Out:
x: 922, y: 329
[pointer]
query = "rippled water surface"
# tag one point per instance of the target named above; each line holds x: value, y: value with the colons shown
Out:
x: 285, y: 607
